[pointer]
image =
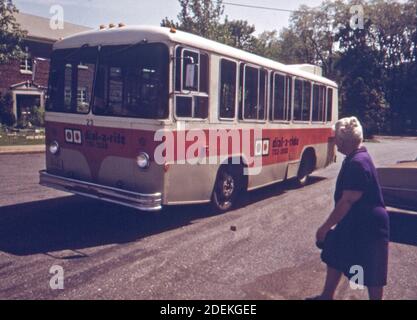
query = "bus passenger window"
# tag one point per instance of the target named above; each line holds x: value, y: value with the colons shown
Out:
x: 184, y: 106
x: 201, y: 107
x: 204, y: 73
x: 318, y: 103
x: 227, y: 89
x: 250, y: 99
x: 306, y: 101
x: 298, y: 98
x: 302, y: 100
x: 279, y: 98
x: 191, y: 80
x: 288, y: 94
x: 263, y: 88
x: 190, y: 71
x: 329, y: 104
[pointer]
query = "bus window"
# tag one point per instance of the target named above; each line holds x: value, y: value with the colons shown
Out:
x: 254, y: 93
x: 133, y: 82
x: 318, y: 103
x: 250, y: 98
x: 71, y: 80
x: 263, y: 94
x: 184, y: 106
x: 298, y: 98
x: 192, y: 82
x: 306, y: 101
x: 329, y: 104
x: 289, y: 98
x: 190, y: 70
x: 302, y: 100
x: 278, y: 103
x: 227, y: 89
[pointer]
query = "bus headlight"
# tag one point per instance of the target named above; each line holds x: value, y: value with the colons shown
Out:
x: 142, y: 160
x: 54, y: 147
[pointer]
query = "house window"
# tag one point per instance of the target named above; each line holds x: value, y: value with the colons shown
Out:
x: 26, y: 64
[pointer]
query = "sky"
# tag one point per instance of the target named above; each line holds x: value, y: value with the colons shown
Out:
x: 93, y: 13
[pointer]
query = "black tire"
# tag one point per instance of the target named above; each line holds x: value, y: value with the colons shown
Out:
x: 227, y: 188
x: 305, y: 169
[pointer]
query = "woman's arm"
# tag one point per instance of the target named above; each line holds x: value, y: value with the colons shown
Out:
x: 342, y: 207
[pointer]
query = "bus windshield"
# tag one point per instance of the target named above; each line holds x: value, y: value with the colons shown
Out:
x: 130, y: 81
x: 71, y: 80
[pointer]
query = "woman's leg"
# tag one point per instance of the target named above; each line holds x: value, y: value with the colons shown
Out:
x: 332, y: 280
x: 375, y: 293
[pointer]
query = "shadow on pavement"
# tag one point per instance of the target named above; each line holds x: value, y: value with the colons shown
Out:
x: 403, y: 227
x: 73, y: 222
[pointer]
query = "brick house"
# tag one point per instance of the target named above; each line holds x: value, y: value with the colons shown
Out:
x: 27, y: 79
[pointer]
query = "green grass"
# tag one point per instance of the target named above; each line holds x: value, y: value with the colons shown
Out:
x: 22, y: 138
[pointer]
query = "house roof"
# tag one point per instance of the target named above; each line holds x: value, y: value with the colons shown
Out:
x: 38, y: 28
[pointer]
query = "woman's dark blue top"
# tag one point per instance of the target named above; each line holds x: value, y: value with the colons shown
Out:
x: 361, y: 238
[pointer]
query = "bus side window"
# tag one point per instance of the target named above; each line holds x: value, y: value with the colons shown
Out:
x: 298, y: 98
x: 306, y: 100
x: 329, y: 104
x: 263, y: 94
x: 227, y: 89
x: 278, y: 102
x: 192, y: 83
x: 253, y: 92
x: 318, y: 102
x: 289, y: 98
x: 178, y: 63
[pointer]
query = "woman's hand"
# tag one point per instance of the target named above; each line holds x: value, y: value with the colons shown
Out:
x: 321, y: 233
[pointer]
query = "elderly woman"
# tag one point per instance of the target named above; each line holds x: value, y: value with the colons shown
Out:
x: 357, y: 231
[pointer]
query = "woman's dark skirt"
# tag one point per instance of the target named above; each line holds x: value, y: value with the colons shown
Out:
x: 360, y: 239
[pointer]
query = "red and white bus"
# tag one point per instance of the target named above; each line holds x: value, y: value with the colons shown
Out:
x: 150, y: 116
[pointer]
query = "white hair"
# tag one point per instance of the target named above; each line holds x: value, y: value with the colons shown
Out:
x: 349, y: 130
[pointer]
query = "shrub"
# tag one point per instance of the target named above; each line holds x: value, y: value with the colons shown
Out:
x: 6, y: 110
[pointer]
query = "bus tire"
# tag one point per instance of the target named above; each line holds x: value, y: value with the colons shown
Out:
x: 228, y: 187
x: 307, y: 165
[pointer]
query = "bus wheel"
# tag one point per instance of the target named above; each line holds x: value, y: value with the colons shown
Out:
x: 305, y: 169
x: 227, y: 188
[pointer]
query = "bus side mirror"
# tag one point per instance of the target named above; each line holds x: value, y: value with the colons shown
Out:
x: 190, y: 70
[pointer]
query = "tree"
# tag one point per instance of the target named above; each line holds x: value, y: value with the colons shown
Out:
x: 201, y: 17
x: 204, y: 18
x: 10, y: 33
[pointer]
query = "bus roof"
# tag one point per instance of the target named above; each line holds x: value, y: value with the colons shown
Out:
x: 127, y: 35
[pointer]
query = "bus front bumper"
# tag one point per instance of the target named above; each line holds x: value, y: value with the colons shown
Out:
x: 146, y: 202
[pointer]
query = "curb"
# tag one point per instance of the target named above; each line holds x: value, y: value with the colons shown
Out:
x: 9, y: 150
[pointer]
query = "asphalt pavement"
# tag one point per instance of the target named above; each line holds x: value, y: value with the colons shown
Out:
x: 262, y: 250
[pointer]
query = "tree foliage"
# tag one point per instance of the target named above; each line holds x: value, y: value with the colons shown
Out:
x: 10, y: 33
